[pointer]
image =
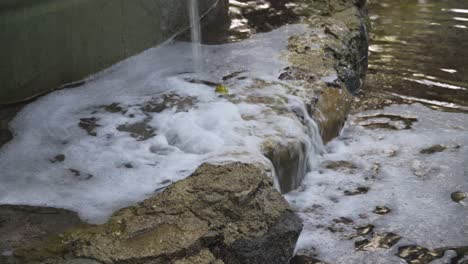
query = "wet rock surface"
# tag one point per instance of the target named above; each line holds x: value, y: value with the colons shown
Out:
x: 89, y: 125
x: 340, y: 165
x: 382, y: 210
x: 7, y: 113
x: 332, y: 57
x: 5, y: 136
x: 458, y: 196
x: 338, y: 39
x: 414, y: 254
x: 141, y: 131
x: 28, y: 226
x: 357, y: 191
x: 362, y: 231
x: 220, y: 214
x: 58, y: 158
x: 379, y: 241
x: 384, y: 121
x: 290, y: 163
x: 418, y: 255
x: 433, y: 149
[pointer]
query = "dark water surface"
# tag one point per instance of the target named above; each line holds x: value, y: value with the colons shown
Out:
x: 419, y: 51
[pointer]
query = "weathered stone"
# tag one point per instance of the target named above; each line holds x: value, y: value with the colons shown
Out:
x: 171, y: 100
x: 433, y: 149
x: 458, y: 196
x: 418, y: 255
x: 26, y: 226
x: 379, y: 241
x: 334, y: 105
x: 58, y: 158
x: 318, y: 61
x: 7, y: 113
x: 141, y: 131
x: 5, y: 136
x: 339, y: 165
x: 89, y: 125
x: 357, y: 191
x: 220, y: 214
x: 382, y: 210
x: 364, y: 230
x: 113, y: 108
x: 386, y: 121
x: 289, y: 161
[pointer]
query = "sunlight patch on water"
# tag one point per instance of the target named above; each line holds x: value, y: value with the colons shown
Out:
x: 434, y: 83
x: 449, y: 70
x: 458, y: 10
x: 461, y: 19
x: 432, y: 102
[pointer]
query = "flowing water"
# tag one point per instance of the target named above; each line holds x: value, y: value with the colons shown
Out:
x: 385, y: 189
x: 392, y: 187
x: 103, y: 146
x: 419, y: 51
x: 195, y: 29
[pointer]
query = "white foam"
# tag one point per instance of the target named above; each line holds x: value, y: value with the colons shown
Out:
x: 422, y: 210
x: 212, y: 129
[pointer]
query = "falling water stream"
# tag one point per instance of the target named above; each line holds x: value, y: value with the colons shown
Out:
x: 196, y: 35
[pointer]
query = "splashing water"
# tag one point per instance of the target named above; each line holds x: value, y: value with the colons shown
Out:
x: 101, y: 147
x: 196, y: 36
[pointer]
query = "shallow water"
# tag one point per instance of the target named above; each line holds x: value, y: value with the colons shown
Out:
x: 388, y: 188
x: 392, y: 173
x: 419, y: 51
x: 116, y: 147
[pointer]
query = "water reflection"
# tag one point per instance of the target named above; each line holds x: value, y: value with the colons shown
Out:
x: 456, y: 10
x: 419, y: 51
x: 248, y: 17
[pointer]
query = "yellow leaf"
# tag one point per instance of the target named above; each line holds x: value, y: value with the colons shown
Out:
x: 221, y: 89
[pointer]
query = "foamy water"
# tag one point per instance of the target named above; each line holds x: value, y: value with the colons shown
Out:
x: 416, y: 187
x: 147, y: 122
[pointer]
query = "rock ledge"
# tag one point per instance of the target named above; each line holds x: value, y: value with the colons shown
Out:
x: 221, y: 214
